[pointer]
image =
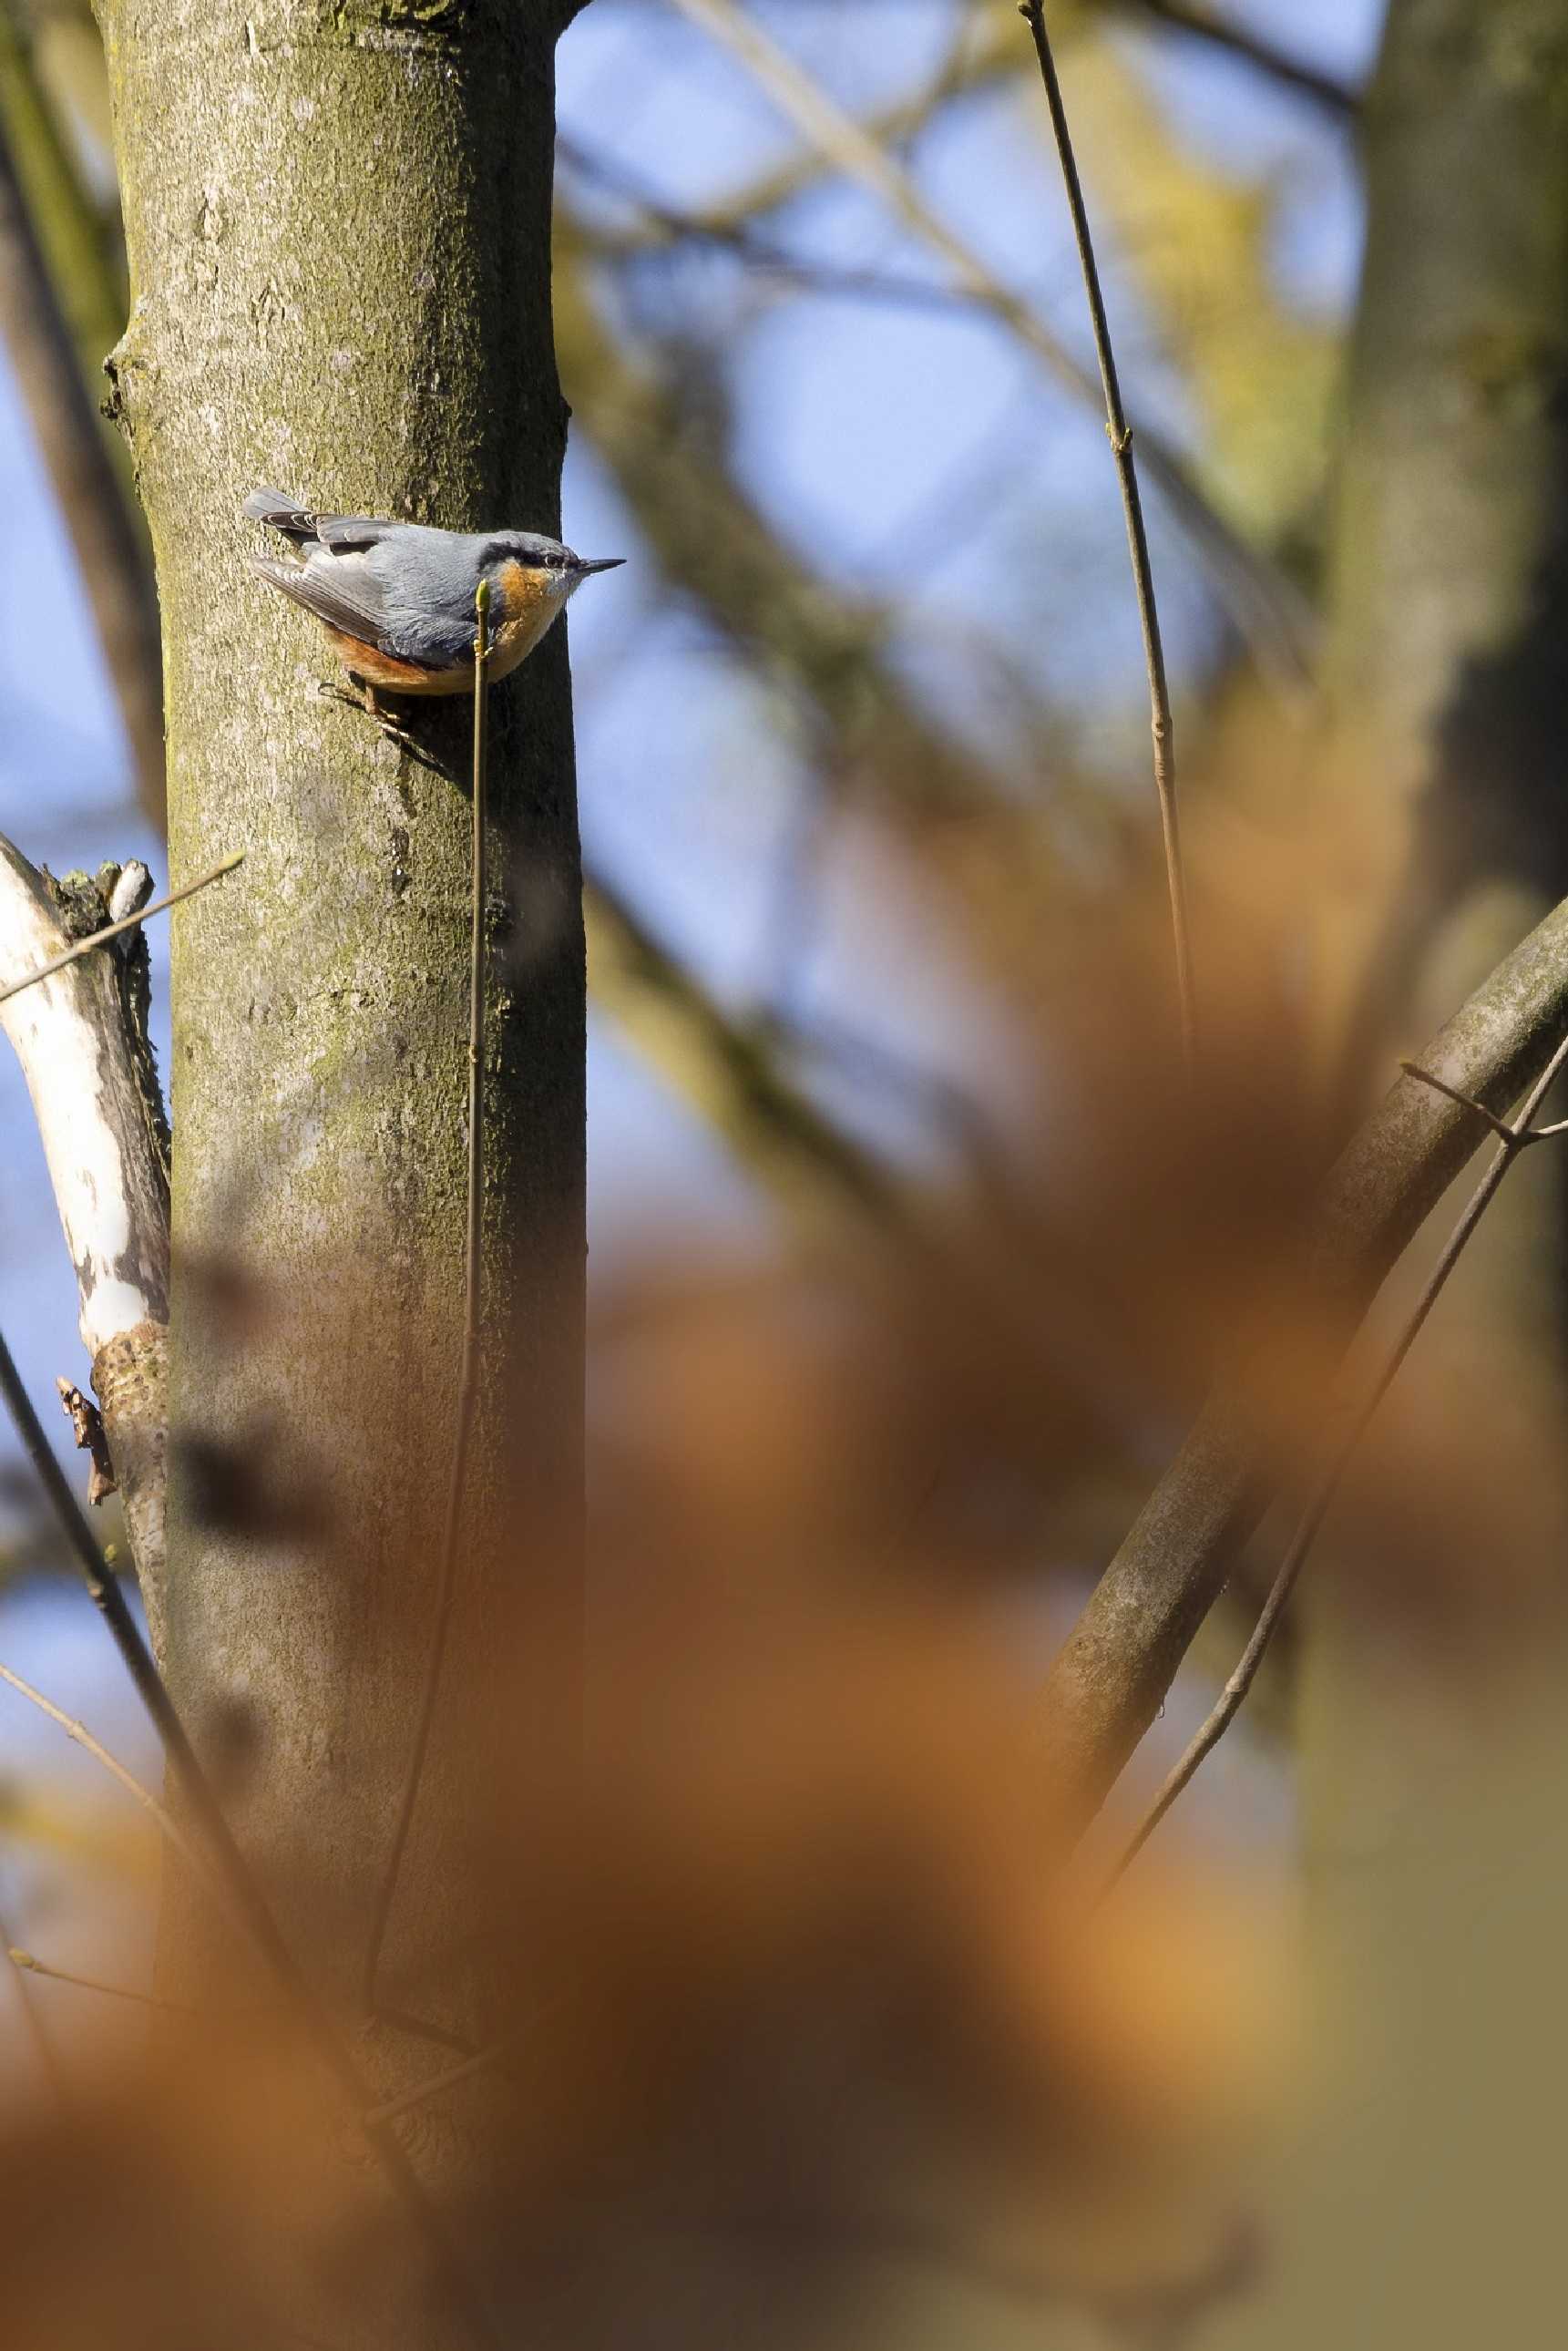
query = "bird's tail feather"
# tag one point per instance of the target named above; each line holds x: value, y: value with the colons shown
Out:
x: 283, y: 513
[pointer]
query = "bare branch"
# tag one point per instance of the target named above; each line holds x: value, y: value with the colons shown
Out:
x: 167, y: 1824
x: 1223, y: 33
x: 1514, y: 1140
x: 988, y: 58
x: 1272, y: 615
x: 29, y: 1963
x: 118, y: 929
x: 729, y: 1074
x: 1161, y: 725
x: 715, y: 543
x: 1110, y: 1679
x: 661, y: 224
x: 115, y: 573
x: 74, y: 1010
x: 48, y: 2064
x: 436, y: 2084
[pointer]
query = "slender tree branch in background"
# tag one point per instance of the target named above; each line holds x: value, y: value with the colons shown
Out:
x: 116, y: 930
x: 729, y: 1073
x: 828, y: 648
x: 1252, y: 48
x: 1515, y: 1139
x: 160, y: 1813
x: 1111, y: 1676
x: 752, y: 245
x: 29, y: 1963
x: 468, y: 1377
x: 246, y: 1895
x: 988, y: 60
x: 42, y: 2047
x: 77, y: 236
x: 435, y: 2085
x: 1120, y: 437
x: 1270, y: 611
x: 115, y: 574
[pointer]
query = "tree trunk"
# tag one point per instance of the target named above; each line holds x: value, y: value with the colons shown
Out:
x: 338, y: 225
x: 1431, y: 1821
x: 1449, y: 577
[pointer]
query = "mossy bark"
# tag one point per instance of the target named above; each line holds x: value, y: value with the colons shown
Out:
x: 338, y: 225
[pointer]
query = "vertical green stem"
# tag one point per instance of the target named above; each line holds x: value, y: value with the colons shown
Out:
x: 468, y: 1383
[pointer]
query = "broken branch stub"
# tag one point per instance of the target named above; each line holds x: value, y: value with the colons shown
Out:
x: 81, y: 1038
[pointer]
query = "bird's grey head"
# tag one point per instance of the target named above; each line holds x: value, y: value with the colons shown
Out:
x: 563, y: 569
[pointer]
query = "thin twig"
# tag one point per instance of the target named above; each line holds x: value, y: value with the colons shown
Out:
x: 42, y: 2047
x: 432, y: 2087
x: 113, y: 930
x: 1277, y: 621
x: 142, y: 1795
x: 1121, y: 438
x: 468, y: 1385
x: 1499, y: 1126
x: 29, y: 1963
x: 244, y: 1888
x: 1515, y: 1141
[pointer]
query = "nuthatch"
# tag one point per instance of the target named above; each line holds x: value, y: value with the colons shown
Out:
x: 397, y: 598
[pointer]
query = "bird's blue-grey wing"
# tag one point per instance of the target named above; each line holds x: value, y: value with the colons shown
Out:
x: 345, y: 595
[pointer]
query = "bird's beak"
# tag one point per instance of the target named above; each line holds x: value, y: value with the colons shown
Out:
x: 586, y: 563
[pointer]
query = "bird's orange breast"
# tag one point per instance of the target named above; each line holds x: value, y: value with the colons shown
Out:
x: 525, y: 604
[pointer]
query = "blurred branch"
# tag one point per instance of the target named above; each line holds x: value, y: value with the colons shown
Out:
x: 29, y: 1963
x: 435, y: 2085
x: 73, y: 236
x: 990, y: 57
x: 43, y: 2048
x: 242, y: 1887
x: 164, y: 1820
x: 94, y: 501
x: 1222, y: 33
x: 1161, y: 725
x: 730, y: 1074
x: 711, y: 541
x: 1270, y: 611
x: 760, y: 252
x: 1110, y: 1679
x: 1516, y: 1139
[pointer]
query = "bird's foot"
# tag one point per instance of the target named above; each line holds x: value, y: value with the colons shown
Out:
x: 366, y: 703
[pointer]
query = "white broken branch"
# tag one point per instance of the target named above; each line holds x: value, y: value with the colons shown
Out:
x: 81, y: 1037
